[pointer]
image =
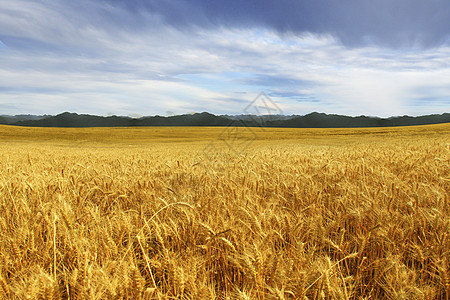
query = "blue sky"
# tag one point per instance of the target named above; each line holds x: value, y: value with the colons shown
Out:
x: 147, y: 57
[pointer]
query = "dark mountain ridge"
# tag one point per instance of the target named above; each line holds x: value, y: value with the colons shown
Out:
x: 312, y: 120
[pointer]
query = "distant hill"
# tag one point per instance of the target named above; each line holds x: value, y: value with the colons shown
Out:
x: 312, y: 120
x: 5, y: 119
x: 75, y: 120
x: 321, y: 120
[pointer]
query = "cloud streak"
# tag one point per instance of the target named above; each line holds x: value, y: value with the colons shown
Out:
x: 149, y: 57
x: 391, y: 23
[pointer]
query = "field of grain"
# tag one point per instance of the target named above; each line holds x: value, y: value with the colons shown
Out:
x: 218, y: 213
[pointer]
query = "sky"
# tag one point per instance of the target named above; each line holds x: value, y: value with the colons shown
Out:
x: 161, y: 57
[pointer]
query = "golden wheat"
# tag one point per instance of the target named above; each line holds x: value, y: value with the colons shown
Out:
x: 144, y: 213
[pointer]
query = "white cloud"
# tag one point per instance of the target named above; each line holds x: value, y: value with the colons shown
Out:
x: 68, y: 57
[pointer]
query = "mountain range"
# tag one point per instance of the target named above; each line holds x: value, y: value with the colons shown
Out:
x: 312, y: 120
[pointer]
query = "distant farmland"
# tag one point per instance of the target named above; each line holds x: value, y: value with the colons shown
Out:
x: 225, y: 213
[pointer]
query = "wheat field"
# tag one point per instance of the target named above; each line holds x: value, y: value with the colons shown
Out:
x: 223, y: 213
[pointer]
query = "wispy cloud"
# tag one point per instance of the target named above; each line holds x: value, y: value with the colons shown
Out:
x: 127, y: 57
